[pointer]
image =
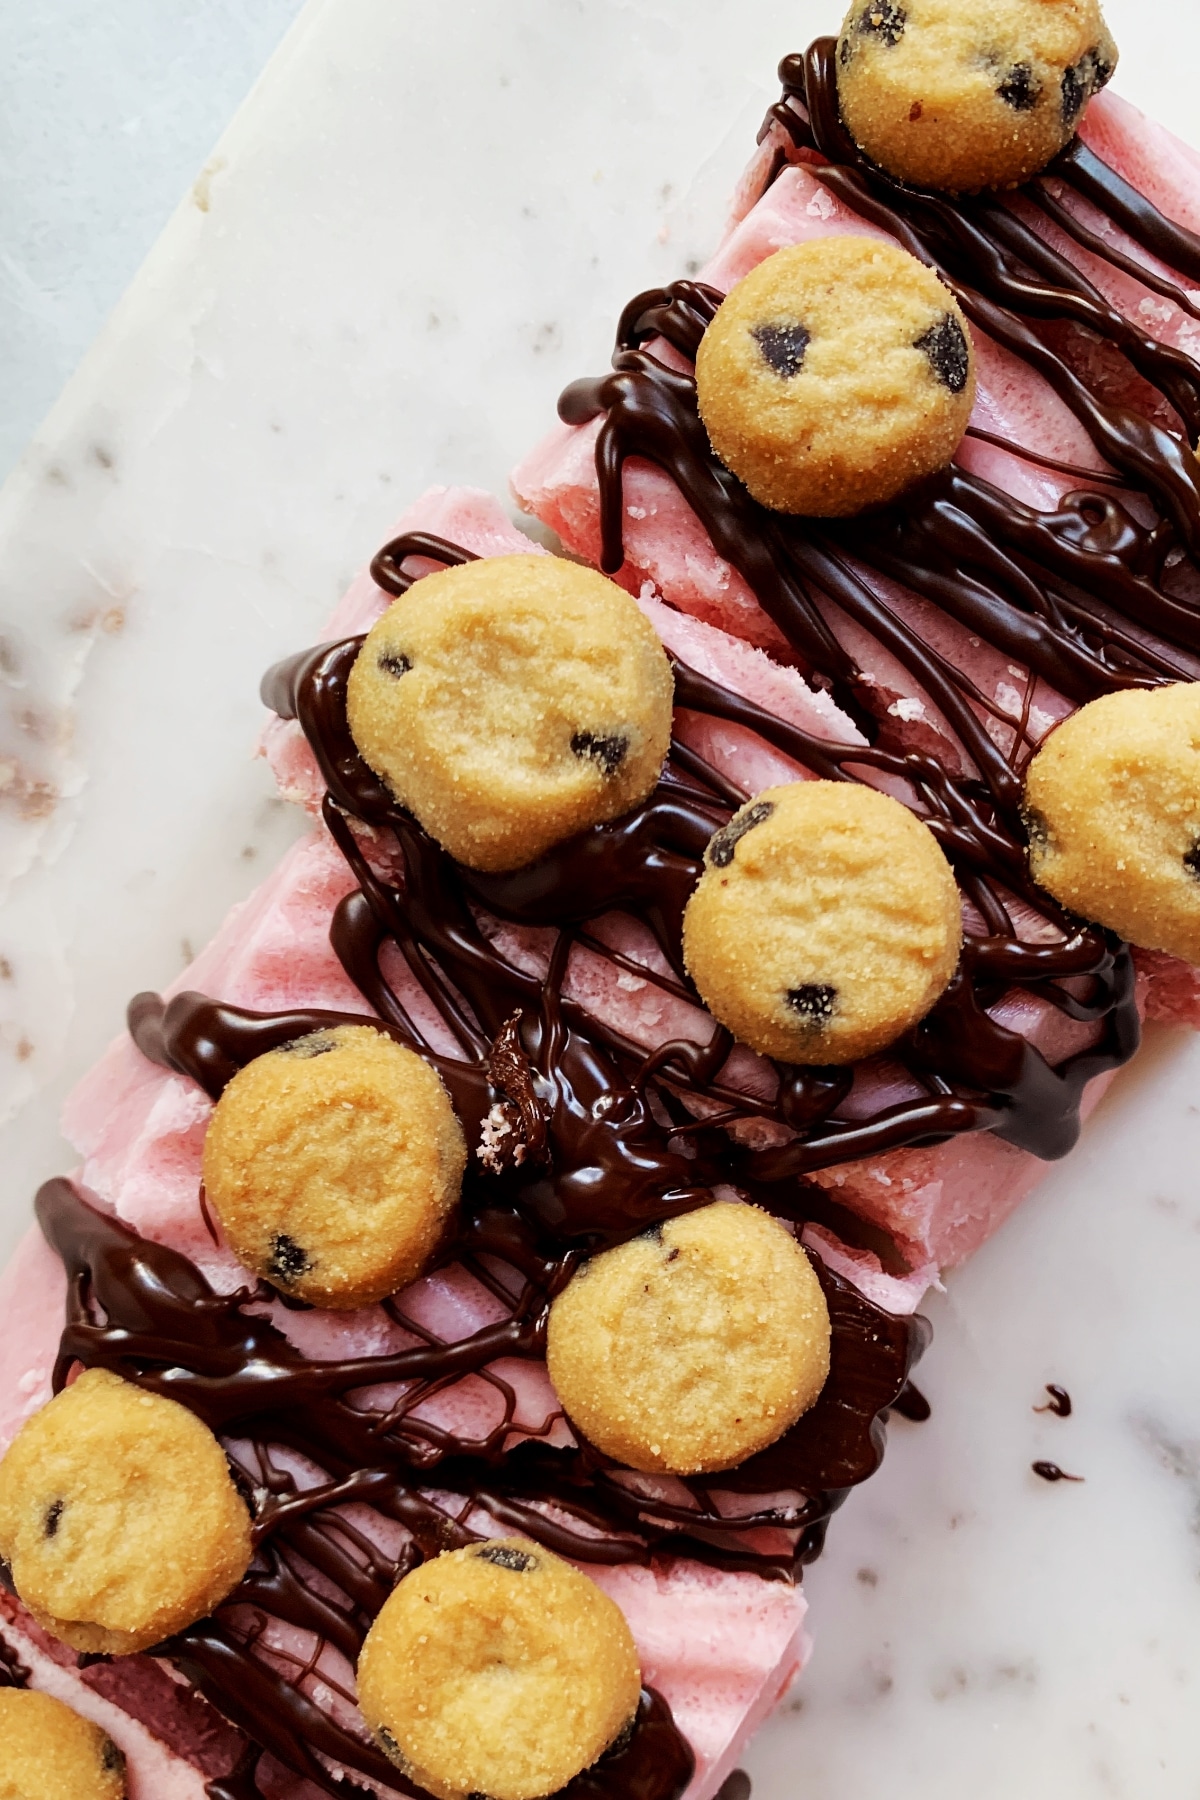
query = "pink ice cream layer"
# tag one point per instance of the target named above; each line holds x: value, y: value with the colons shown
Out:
x: 720, y: 1647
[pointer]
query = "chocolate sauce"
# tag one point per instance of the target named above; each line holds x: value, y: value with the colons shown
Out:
x: 1050, y: 1471
x: 599, y: 1140
x: 1059, y: 1402
x: 912, y: 1404
x: 240, y: 1783
x: 13, y: 1672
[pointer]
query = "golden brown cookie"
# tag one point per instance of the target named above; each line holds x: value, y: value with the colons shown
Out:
x: 48, y: 1752
x: 334, y: 1165
x: 969, y: 94
x: 695, y: 1345
x: 1113, y: 809
x: 498, y: 1670
x: 511, y: 703
x: 119, y: 1517
x: 835, y: 375
x: 825, y: 924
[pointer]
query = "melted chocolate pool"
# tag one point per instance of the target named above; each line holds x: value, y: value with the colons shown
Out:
x: 1050, y: 1471
x: 601, y: 1140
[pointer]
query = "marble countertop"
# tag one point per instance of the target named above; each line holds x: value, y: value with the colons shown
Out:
x: 419, y: 228
x: 106, y: 113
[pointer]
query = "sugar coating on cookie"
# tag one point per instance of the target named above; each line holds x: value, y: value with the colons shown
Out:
x: 119, y: 1517
x: 693, y: 1346
x: 835, y: 375
x: 48, y: 1752
x: 511, y: 703
x: 1112, y: 804
x: 826, y: 922
x: 498, y: 1670
x: 334, y: 1165
x: 969, y: 94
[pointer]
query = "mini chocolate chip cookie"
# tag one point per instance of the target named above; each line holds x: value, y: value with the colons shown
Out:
x: 48, y: 1752
x: 119, y: 1517
x: 334, y: 1165
x: 498, y: 1670
x: 969, y: 94
x: 835, y: 375
x: 693, y: 1346
x: 511, y: 703
x: 826, y: 923
x: 1113, y: 811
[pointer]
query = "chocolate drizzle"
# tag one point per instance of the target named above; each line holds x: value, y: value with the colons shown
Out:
x: 588, y: 1139
x: 1050, y: 1471
x: 13, y: 1672
x: 913, y: 1405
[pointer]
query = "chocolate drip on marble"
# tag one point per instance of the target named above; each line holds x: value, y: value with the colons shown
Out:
x: 912, y: 1404
x: 1050, y: 1471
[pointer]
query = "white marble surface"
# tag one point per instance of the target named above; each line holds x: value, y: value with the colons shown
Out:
x: 107, y: 111
x: 421, y: 226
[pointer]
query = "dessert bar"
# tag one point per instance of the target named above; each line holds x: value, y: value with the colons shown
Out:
x: 494, y: 1261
